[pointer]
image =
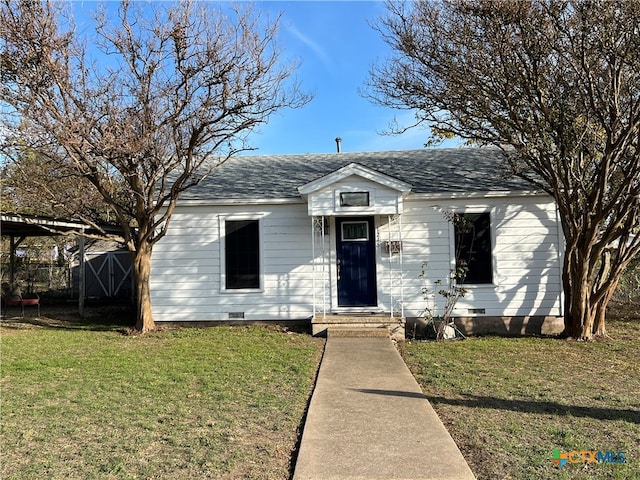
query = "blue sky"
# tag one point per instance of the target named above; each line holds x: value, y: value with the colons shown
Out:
x: 337, y: 47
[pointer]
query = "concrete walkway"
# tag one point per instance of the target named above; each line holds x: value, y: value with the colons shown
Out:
x: 368, y: 419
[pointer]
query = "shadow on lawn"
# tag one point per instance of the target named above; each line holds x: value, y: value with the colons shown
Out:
x: 529, y: 406
x: 391, y: 393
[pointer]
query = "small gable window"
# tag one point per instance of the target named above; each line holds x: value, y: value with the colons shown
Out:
x: 354, y: 199
x: 473, y: 248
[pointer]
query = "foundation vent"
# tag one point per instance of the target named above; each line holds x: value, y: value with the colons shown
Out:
x: 477, y: 310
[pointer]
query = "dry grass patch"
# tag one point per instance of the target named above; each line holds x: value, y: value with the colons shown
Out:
x: 509, y: 402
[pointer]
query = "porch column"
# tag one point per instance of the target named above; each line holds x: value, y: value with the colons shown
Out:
x: 401, y: 267
x: 390, y: 253
x: 318, y: 227
x: 313, y: 263
x: 324, y: 271
x: 397, y: 220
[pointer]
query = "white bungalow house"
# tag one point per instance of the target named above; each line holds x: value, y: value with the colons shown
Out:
x: 344, y: 237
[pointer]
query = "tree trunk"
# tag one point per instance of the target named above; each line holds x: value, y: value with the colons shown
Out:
x: 568, y: 297
x: 578, y: 320
x: 607, y: 285
x: 599, y: 328
x: 585, y: 312
x: 142, y: 273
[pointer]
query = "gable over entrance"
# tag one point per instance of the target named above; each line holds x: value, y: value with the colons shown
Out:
x: 354, y: 202
x: 355, y: 190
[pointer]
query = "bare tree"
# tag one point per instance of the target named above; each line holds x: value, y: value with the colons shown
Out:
x: 556, y: 85
x: 143, y: 106
x: 36, y: 185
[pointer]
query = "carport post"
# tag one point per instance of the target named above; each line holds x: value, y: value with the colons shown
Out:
x: 12, y: 260
x: 81, y: 288
x: 13, y: 245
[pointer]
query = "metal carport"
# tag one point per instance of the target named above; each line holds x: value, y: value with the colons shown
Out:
x: 18, y: 227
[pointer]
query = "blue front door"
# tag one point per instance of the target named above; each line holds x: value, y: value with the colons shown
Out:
x: 356, y: 259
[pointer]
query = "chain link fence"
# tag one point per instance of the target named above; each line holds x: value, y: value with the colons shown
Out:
x: 628, y: 290
x: 36, y: 277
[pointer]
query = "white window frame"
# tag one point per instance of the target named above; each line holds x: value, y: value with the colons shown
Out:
x: 354, y: 210
x: 492, y: 229
x: 223, y: 262
x: 349, y: 222
x: 366, y: 193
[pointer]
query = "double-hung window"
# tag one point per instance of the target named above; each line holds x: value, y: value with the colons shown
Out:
x: 473, y: 248
x: 242, y: 254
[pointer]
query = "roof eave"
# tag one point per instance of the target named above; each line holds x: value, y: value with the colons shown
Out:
x: 240, y: 201
x: 355, y: 169
x: 412, y: 196
x: 482, y: 194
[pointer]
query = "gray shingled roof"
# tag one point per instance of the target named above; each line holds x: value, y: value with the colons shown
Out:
x: 460, y: 170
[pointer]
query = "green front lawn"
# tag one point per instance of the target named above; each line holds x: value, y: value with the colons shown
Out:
x: 223, y: 403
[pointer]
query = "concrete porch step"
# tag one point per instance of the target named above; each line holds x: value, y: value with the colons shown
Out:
x: 359, y: 325
x: 343, y: 331
x: 355, y: 318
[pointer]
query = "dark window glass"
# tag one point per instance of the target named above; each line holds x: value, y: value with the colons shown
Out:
x: 242, y: 254
x: 355, y: 231
x: 354, y: 199
x: 473, y: 248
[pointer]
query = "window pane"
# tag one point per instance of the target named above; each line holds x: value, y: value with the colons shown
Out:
x: 354, y: 199
x: 242, y: 254
x: 355, y: 231
x: 473, y: 248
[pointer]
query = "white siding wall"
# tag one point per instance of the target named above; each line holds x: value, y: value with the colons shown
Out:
x: 526, y: 262
x: 185, y: 279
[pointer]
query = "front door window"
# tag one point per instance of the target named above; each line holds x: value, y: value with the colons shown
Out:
x: 355, y: 231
